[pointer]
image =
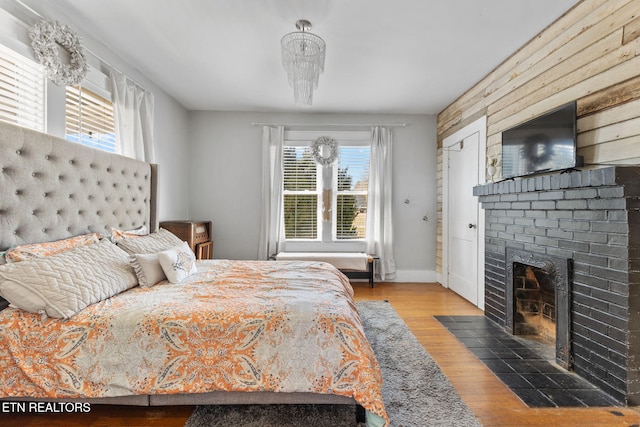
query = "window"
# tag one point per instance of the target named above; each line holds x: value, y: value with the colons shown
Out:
x: 325, y: 205
x: 89, y: 119
x: 22, y: 90
x: 352, y: 183
x: 300, y: 193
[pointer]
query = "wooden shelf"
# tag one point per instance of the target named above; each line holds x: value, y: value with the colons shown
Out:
x: 197, y: 234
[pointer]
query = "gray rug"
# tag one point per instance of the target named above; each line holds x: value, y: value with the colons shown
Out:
x: 415, y: 391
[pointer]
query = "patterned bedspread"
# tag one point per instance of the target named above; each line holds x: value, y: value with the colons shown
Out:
x: 234, y: 326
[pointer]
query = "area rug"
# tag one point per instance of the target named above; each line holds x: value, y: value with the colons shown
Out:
x: 414, y: 389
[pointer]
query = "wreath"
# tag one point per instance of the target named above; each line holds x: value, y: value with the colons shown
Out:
x: 45, y: 38
x: 317, y: 151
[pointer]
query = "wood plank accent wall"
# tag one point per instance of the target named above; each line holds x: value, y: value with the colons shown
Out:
x: 591, y: 54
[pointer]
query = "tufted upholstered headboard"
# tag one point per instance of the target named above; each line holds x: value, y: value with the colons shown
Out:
x: 51, y: 189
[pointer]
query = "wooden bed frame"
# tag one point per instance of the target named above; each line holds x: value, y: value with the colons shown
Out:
x: 51, y: 189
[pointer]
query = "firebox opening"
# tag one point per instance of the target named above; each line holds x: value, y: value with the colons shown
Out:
x: 535, y: 303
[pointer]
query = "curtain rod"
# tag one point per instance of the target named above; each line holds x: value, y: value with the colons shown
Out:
x: 330, y: 124
x: 98, y: 57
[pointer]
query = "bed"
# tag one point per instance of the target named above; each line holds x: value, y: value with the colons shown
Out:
x: 230, y: 332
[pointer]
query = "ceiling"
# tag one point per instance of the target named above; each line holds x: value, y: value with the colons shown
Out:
x: 383, y: 56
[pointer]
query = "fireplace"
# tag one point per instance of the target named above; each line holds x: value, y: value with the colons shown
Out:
x: 534, y: 302
x: 537, y: 300
x: 583, y: 226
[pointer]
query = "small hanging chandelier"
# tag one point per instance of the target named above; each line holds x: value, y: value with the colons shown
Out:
x: 303, y: 58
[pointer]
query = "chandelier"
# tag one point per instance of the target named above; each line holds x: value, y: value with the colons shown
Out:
x: 303, y: 58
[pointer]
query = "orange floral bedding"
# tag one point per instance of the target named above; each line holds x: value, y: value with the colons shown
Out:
x: 233, y: 326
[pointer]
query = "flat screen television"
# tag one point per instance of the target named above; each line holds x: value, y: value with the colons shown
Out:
x: 544, y: 144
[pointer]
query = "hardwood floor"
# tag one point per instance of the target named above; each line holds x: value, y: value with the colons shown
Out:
x: 490, y: 400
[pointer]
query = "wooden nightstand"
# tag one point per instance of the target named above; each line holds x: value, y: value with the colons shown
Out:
x: 197, y: 234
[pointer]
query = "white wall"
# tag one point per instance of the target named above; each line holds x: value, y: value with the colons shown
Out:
x: 210, y: 162
x: 226, y: 161
x: 171, y: 118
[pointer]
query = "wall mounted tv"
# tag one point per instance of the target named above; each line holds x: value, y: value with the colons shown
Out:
x: 544, y: 144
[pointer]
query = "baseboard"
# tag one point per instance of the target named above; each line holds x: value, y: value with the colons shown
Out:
x: 417, y: 276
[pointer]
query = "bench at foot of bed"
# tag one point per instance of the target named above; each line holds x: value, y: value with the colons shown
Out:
x: 355, y: 265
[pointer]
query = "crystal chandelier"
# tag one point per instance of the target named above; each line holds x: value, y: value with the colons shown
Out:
x: 303, y: 58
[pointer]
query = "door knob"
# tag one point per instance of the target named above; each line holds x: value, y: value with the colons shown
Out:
x: 472, y: 226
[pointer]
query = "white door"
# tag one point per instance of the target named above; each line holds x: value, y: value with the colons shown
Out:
x: 463, y: 246
x: 463, y: 212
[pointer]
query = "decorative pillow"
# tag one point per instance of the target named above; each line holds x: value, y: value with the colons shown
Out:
x: 39, y: 250
x: 153, y: 243
x: 148, y: 269
x: 63, y: 284
x: 178, y: 263
x: 117, y: 234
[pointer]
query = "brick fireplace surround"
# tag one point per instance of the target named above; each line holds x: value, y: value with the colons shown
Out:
x: 592, y: 218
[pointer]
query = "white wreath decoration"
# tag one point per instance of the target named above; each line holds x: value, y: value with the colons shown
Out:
x: 45, y: 38
x: 316, y: 150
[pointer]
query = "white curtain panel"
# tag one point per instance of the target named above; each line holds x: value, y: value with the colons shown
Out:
x: 379, y: 239
x: 271, y: 222
x: 133, y: 113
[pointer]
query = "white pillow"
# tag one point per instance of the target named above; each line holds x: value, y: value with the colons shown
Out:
x: 148, y: 269
x: 63, y: 284
x: 178, y: 262
x: 117, y: 234
x: 162, y: 240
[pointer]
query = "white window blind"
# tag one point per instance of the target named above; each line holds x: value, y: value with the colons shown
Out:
x: 89, y: 119
x: 351, y: 179
x: 22, y: 90
x: 300, y: 194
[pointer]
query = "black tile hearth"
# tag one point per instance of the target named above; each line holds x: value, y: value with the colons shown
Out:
x: 525, y: 366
